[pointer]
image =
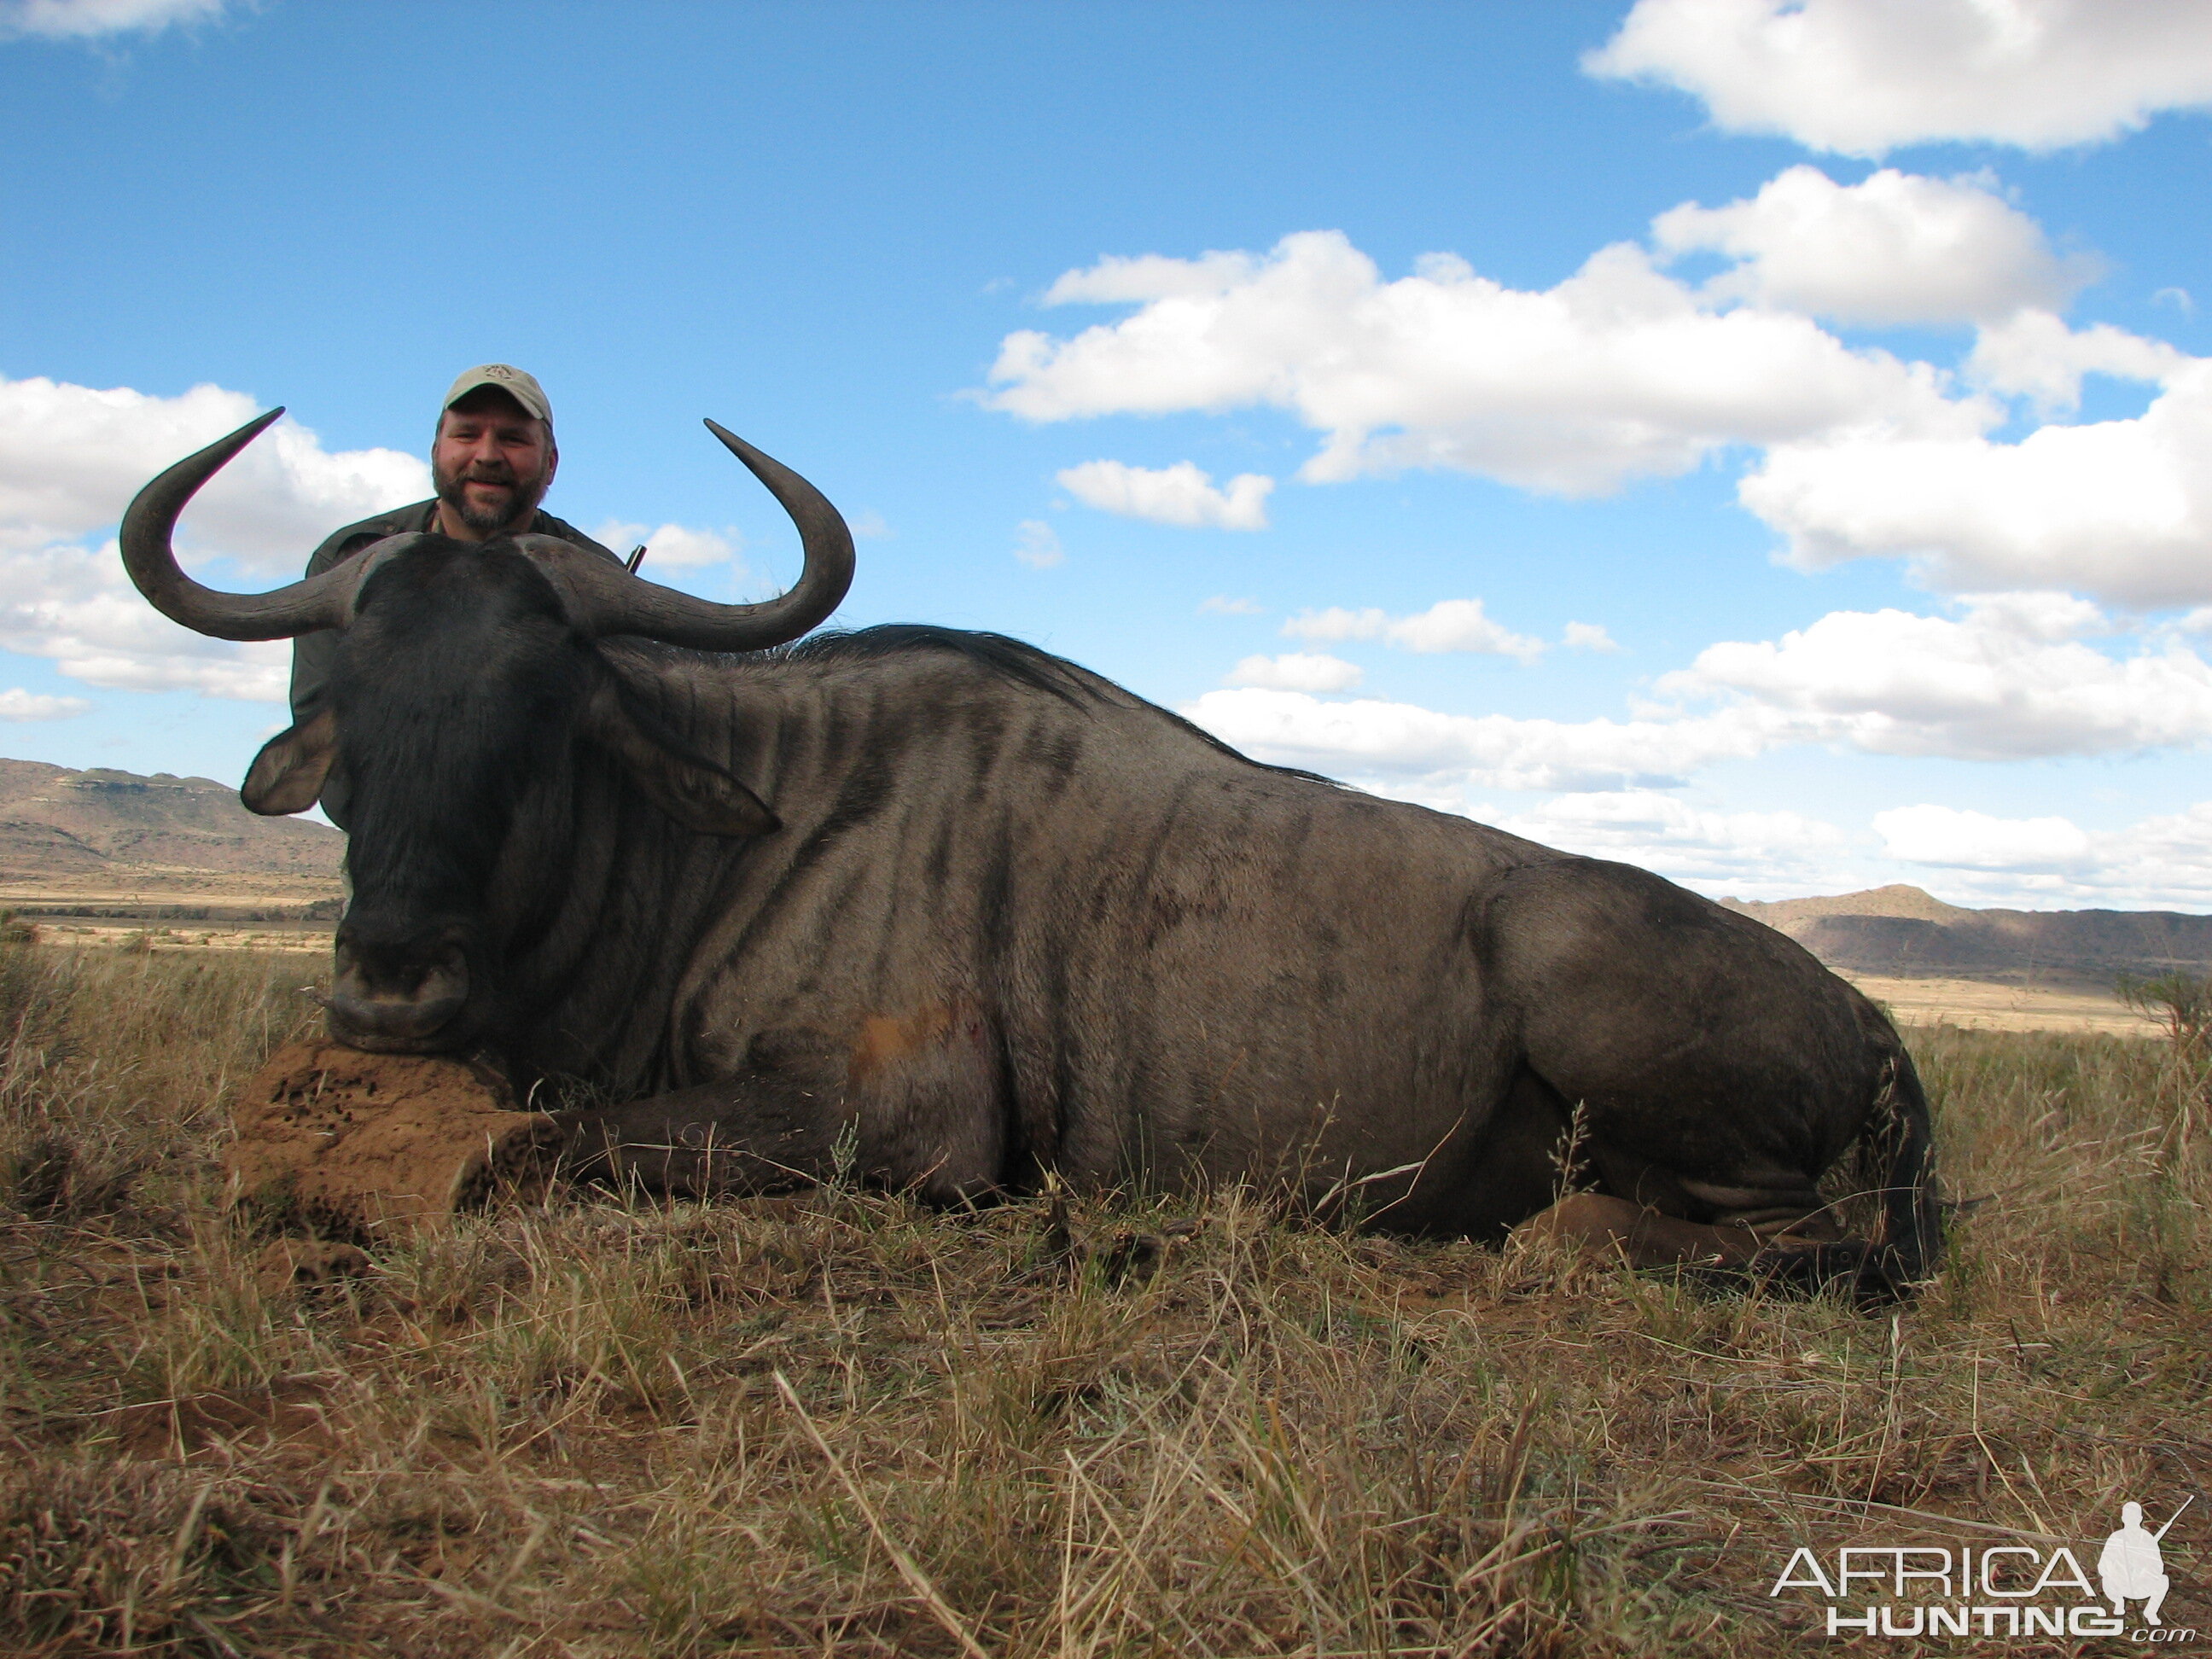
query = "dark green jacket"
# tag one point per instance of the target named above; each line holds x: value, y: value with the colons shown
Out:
x: 312, y: 654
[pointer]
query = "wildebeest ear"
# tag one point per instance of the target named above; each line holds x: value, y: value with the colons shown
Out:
x: 698, y: 793
x: 287, y: 775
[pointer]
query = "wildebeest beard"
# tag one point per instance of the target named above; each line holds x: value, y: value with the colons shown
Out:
x: 528, y: 492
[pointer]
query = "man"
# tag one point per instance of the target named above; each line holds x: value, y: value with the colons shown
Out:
x: 492, y: 460
x: 2131, y: 1566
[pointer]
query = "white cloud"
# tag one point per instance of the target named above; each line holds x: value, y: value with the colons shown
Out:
x: 1222, y: 605
x: 1177, y: 494
x: 1896, y: 248
x: 869, y: 527
x: 1447, y: 625
x: 18, y: 704
x: 1368, y: 738
x: 2032, y: 354
x: 1865, y: 77
x: 1036, y: 544
x: 71, y: 458
x: 1588, y: 636
x: 2159, y: 862
x: 1114, y: 280
x: 75, y: 606
x: 2010, y: 680
x: 1618, y: 372
x: 674, y: 546
x: 1297, y: 670
x: 1952, y: 838
x: 81, y: 19
x: 2119, y: 508
x: 1781, y: 853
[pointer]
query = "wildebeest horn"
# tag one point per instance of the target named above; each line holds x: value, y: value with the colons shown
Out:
x: 300, y: 608
x: 603, y: 598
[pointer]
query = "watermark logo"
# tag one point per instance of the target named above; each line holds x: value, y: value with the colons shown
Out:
x: 1994, y: 1590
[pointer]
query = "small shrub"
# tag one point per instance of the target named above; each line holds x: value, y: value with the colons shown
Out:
x: 2181, y: 1002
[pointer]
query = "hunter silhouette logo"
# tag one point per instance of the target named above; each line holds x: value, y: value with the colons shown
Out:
x: 1989, y: 1589
x: 2132, y: 1567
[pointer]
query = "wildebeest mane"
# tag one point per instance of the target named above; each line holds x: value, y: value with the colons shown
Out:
x: 1008, y: 659
x: 994, y: 654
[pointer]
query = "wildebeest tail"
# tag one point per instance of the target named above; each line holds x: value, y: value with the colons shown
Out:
x: 1896, y: 1164
x: 1901, y: 1144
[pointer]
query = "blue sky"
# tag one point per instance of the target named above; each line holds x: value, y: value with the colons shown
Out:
x: 1761, y: 442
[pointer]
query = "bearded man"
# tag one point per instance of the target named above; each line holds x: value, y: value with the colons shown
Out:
x: 492, y: 460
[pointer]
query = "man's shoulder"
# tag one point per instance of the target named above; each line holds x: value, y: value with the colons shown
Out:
x: 341, y: 545
x: 546, y: 525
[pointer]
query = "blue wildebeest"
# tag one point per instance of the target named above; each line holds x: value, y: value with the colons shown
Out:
x: 990, y: 918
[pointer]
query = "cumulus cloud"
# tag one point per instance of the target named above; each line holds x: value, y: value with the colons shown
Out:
x: 1368, y: 738
x: 75, y: 606
x: 1626, y: 370
x: 2159, y: 862
x: 1297, y: 670
x: 1951, y: 837
x: 1178, y: 495
x: 1588, y: 636
x: 2010, y: 680
x: 71, y: 458
x: 2034, y: 353
x: 1618, y: 372
x: 1036, y: 544
x: 19, y: 705
x: 1222, y: 605
x: 1749, y: 853
x: 85, y: 20
x: 673, y: 545
x: 1447, y: 625
x: 2122, y: 509
x: 1862, y: 77
x: 1896, y: 248
x: 2014, y: 678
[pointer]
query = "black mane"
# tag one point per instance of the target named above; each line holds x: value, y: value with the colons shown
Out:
x: 1009, y: 658
x: 994, y: 653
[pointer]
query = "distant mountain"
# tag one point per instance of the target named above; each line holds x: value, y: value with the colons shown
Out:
x: 1902, y: 933
x: 75, y: 828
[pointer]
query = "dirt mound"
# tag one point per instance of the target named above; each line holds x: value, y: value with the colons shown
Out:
x: 368, y: 1146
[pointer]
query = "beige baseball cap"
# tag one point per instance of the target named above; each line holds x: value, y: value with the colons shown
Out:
x: 521, y: 386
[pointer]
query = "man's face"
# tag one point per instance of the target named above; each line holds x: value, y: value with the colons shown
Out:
x: 492, y: 462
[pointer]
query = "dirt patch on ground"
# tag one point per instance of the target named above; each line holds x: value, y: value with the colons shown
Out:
x: 289, y: 1412
x: 1977, y: 1005
x: 129, y: 936
x: 373, y: 1145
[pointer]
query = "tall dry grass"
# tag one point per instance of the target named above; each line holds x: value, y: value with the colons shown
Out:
x: 839, y: 1423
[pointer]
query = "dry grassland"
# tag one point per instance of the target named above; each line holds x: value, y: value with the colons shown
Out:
x: 837, y: 1422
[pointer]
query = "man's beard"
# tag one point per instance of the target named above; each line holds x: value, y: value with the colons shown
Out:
x: 522, y: 503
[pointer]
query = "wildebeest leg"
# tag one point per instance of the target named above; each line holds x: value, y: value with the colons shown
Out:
x: 715, y: 1139
x: 1720, y: 1068
x: 1641, y: 1236
x: 1510, y: 1169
